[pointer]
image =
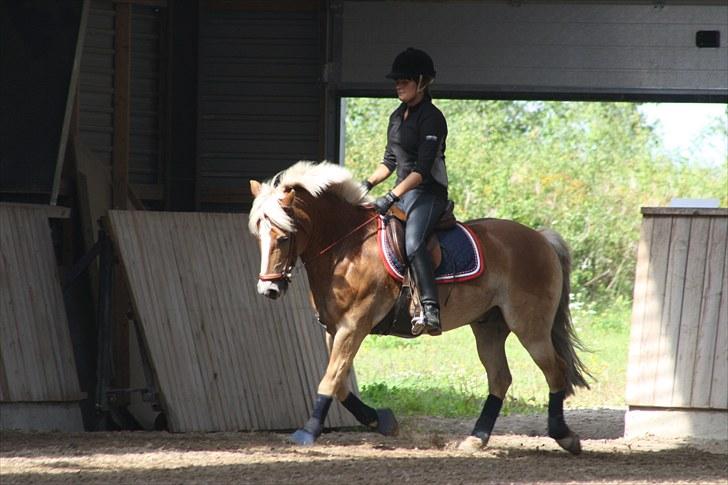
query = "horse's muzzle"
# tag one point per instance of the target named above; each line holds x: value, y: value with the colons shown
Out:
x: 272, y: 289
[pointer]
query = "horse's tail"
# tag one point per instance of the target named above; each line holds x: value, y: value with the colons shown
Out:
x: 563, y: 335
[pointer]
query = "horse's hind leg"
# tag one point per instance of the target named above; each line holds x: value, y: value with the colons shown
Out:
x: 537, y: 341
x: 490, y: 337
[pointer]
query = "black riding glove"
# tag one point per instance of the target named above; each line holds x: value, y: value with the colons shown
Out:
x: 383, y: 203
x: 367, y: 185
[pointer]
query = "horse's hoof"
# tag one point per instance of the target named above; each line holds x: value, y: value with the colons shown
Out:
x: 302, y: 437
x: 471, y: 444
x: 386, y: 422
x: 570, y: 443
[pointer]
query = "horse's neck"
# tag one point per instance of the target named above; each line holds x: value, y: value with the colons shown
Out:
x: 330, y: 222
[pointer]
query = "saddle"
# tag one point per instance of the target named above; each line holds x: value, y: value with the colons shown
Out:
x: 394, y: 233
x: 456, y: 254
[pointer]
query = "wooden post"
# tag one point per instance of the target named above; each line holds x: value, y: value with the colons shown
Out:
x: 120, y: 180
x: 71, y: 101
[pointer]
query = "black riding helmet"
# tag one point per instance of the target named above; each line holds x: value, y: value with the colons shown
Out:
x: 411, y: 64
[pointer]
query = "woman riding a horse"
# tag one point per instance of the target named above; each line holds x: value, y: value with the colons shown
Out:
x: 416, y: 149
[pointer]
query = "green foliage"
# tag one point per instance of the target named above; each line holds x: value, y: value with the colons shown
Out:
x: 583, y: 169
x: 440, y: 401
x: 443, y: 376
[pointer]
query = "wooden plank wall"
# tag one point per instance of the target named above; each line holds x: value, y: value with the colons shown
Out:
x: 36, y: 354
x: 678, y: 354
x: 225, y: 357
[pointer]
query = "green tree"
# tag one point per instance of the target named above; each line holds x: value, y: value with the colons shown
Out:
x: 584, y: 169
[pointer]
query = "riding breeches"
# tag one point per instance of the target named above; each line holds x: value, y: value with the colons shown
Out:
x: 423, y: 210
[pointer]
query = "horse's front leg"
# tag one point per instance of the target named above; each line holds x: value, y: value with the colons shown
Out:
x: 345, y: 345
x: 381, y: 420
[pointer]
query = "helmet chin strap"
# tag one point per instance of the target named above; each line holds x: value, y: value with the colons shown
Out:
x: 421, y: 86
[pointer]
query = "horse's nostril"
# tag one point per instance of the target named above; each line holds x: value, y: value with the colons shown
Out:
x: 272, y: 293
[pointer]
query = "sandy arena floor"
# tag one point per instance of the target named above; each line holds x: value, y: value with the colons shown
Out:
x: 425, y: 452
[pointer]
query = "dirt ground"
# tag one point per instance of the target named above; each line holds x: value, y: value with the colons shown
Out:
x: 424, y: 452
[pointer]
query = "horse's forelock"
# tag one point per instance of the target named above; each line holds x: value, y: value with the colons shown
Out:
x: 267, y: 205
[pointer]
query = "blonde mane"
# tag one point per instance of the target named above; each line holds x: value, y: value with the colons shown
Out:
x: 315, y: 178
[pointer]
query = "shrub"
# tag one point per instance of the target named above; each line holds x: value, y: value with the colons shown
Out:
x: 583, y: 169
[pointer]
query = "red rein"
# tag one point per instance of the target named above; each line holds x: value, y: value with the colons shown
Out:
x: 348, y: 234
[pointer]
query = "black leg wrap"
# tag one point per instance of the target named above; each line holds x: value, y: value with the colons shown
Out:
x: 315, y: 423
x: 557, y: 425
x: 486, y: 421
x: 363, y: 413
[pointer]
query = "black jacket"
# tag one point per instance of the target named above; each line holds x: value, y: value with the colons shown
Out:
x: 418, y: 144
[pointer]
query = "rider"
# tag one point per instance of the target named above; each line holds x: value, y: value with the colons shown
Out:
x: 416, y: 149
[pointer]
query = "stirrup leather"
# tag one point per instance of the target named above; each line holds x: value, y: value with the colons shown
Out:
x: 418, y: 313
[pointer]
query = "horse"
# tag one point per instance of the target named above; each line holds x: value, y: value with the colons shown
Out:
x: 317, y: 213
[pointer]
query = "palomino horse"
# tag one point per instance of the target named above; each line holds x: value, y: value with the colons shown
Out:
x: 317, y: 213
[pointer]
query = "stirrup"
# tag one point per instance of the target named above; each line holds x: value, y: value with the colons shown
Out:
x: 418, y: 324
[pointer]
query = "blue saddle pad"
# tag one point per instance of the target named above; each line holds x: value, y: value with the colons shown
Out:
x: 462, y: 255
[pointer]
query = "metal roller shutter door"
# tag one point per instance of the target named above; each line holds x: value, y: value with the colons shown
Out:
x: 259, y: 96
x: 145, y: 160
x: 96, y: 80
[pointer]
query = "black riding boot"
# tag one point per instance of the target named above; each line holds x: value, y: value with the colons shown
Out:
x: 421, y: 270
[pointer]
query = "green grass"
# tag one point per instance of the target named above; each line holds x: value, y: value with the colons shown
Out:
x: 443, y: 376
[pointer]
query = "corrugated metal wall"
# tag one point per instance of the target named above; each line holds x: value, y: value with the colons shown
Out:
x: 548, y: 47
x: 96, y: 92
x: 260, y: 95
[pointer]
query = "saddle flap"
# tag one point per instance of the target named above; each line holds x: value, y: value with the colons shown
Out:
x: 394, y: 232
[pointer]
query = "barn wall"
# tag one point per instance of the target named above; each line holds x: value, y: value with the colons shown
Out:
x: 540, y: 48
x: 38, y: 46
x: 96, y: 82
x: 260, y: 94
x: 147, y: 107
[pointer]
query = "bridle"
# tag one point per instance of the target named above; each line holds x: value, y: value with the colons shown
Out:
x: 289, y: 261
x: 285, y: 265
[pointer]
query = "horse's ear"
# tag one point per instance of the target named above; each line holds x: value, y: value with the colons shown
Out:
x: 255, y: 188
x: 287, y: 199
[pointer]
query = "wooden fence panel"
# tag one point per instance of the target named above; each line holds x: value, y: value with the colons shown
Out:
x: 719, y: 384
x: 36, y: 353
x: 638, y: 331
x: 689, y: 321
x: 225, y: 358
x: 678, y: 354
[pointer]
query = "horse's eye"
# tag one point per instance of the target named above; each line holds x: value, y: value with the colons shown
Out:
x: 281, y: 239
